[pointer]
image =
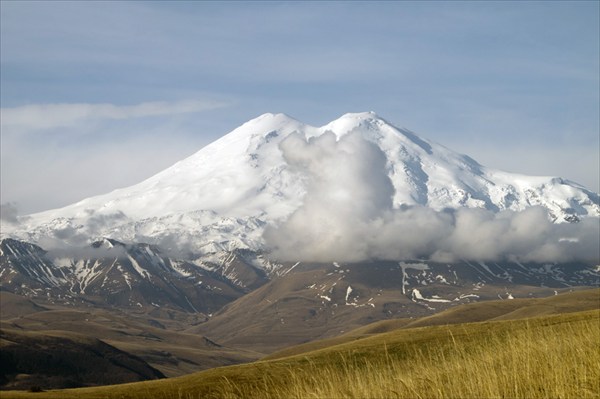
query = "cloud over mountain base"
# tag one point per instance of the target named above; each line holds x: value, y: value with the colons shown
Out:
x: 347, y: 215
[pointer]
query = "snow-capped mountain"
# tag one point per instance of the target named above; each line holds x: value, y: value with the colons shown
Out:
x: 223, y: 196
x: 376, y: 223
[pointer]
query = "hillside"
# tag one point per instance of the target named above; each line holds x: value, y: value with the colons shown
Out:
x: 61, y: 359
x: 469, y: 313
x: 316, y: 301
x: 545, y: 356
x: 160, y: 342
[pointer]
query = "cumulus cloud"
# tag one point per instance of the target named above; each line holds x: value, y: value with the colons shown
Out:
x: 347, y: 215
x: 46, y: 116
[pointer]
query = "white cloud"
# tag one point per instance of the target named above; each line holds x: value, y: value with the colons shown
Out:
x: 47, y: 116
x: 347, y: 215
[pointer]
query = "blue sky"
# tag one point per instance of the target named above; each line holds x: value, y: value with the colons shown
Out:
x: 100, y: 95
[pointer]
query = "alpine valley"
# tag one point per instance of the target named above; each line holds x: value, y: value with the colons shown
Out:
x: 204, y: 264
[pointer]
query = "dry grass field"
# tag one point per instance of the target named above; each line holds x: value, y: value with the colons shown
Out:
x: 545, y: 356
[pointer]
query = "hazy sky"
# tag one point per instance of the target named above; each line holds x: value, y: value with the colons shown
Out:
x: 100, y: 95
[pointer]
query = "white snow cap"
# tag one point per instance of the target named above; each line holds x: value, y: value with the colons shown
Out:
x: 357, y: 186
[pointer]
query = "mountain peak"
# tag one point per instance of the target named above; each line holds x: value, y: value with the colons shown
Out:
x: 270, y: 120
x: 269, y: 116
x: 367, y: 115
x: 351, y: 121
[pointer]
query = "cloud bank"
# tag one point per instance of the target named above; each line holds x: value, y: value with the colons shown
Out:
x: 46, y: 116
x: 348, y: 215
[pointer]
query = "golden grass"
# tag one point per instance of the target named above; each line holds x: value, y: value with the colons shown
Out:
x: 537, y: 360
x: 545, y: 357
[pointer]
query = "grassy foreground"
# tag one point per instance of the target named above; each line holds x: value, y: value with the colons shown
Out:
x: 557, y: 358
x: 544, y: 357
